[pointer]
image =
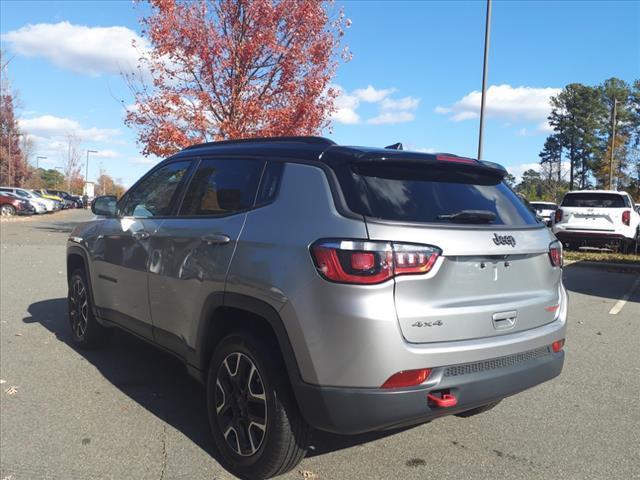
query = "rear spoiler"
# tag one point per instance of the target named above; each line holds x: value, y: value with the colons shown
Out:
x: 418, y: 162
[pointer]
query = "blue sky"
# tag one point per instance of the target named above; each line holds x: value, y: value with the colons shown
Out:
x: 415, y: 68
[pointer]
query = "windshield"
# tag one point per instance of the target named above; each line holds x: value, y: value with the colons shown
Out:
x: 543, y: 206
x: 594, y: 200
x: 431, y: 195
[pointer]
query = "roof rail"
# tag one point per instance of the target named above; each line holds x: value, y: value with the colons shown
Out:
x: 309, y: 140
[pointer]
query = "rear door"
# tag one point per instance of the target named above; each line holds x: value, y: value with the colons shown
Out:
x: 601, y: 212
x: 191, y: 252
x: 494, y: 277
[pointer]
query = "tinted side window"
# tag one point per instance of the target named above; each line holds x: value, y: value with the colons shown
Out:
x: 153, y: 197
x: 270, y: 183
x: 222, y: 187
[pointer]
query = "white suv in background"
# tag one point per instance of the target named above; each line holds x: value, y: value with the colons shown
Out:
x: 599, y: 218
x: 545, y: 210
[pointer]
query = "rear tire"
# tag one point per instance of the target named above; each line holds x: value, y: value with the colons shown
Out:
x: 478, y: 410
x: 8, y: 210
x: 86, y: 332
x: 254, y: 419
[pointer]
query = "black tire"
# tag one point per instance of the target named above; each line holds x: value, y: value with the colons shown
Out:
x: 478, y: 410
x: 86, y: 332
x: 241, y: 399
x: 8, y: 210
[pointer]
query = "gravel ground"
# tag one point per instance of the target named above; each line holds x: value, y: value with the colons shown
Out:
x: 128, y: 411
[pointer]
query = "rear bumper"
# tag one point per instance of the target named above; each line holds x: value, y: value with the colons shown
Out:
x: 594, y: 238
x: 359, y: 410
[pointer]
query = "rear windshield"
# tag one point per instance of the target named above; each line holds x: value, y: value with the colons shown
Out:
x: 543, y: 206
x: 594, y: 200
x: 427, y: 193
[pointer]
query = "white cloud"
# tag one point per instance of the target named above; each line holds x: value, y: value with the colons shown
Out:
x: 544, y: 127
x: 518, y: 170
x: 391, y: 117
x: 406, y: 103
x: 371, y: 94
x: 106, y: 154
x: 346, y: 106
x: 143, y: 160
x: 48, y: 126
x: 515, y: 103
x: 79, y: 48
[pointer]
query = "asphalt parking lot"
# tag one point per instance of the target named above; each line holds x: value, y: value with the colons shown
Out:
x: 128, y: 411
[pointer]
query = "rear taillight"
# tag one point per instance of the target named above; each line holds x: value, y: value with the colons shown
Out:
x: 366, y: 263
x: 626, y: 217
x: 407, y: 378
x: 558, y: 216
x: 557, y: 345
x: 555, y: 253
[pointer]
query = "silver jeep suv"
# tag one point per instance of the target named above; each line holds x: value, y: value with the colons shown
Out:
x: 308, y: 284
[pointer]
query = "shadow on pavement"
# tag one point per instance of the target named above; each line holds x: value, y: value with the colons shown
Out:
x: 600, y: 282
x: 58, y: 227
x: 159, y: 382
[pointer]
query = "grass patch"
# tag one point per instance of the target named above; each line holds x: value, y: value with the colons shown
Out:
x: 605, y: 257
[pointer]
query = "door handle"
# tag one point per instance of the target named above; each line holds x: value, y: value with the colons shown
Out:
x: 140, y: 235
x: 216, y: 239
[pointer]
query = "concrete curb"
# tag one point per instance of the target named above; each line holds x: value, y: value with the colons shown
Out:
x: 609, y: 265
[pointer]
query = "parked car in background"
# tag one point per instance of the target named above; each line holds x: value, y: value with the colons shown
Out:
x: 46, y: 194
x: 57, y: 201
x: 38, y: 206
x: 545, y: 210
x: 72, y: 200
x: 598, y: 218
x: 10, y: 205
x: 50, y: 205
x: 308, y: 284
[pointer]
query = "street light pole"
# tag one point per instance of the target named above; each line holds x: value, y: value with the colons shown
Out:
x: 485, y: 71
x: 86, y: 172
x: 38, y: 161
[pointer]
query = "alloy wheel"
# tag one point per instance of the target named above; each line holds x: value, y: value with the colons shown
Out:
x: 78, y: 308
x: 7, y: 210
x: 241, y: 404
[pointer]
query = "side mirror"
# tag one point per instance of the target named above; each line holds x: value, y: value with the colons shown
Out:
x: 104, y: 206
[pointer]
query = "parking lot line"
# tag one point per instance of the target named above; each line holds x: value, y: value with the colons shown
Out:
x: 617, y: 308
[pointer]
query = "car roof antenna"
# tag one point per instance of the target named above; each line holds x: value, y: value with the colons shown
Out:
x: 395, y: 146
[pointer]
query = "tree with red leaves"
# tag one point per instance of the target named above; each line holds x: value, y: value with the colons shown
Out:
x: 225, y: 69
x: 14, y: 169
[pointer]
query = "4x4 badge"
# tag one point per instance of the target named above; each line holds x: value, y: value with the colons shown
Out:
x: 504, y: 240
x: 437, y: 323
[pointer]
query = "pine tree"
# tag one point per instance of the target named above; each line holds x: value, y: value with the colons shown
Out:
x: 576, y: 117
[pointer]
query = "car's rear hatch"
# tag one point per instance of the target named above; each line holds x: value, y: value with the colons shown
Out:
x: 595, y: 211
x: 493, y: 277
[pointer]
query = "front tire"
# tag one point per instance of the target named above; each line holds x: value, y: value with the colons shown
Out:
x: 86, y: 332
x: 255, y: 422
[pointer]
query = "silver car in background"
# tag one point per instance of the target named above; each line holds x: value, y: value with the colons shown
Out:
x: 42, y: 205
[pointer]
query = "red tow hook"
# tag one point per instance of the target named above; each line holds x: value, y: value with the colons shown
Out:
x: 444, y: 401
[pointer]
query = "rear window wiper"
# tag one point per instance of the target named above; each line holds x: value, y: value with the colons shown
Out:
x: 470, y: 216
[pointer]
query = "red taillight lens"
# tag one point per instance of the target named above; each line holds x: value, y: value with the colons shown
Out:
x: 557, y: 345
x: 626, y: 217
x: 365, y: 262
x: 558, y: 216
x: 407, y: 378
x: 352, y: 266
x: 555, y: 253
